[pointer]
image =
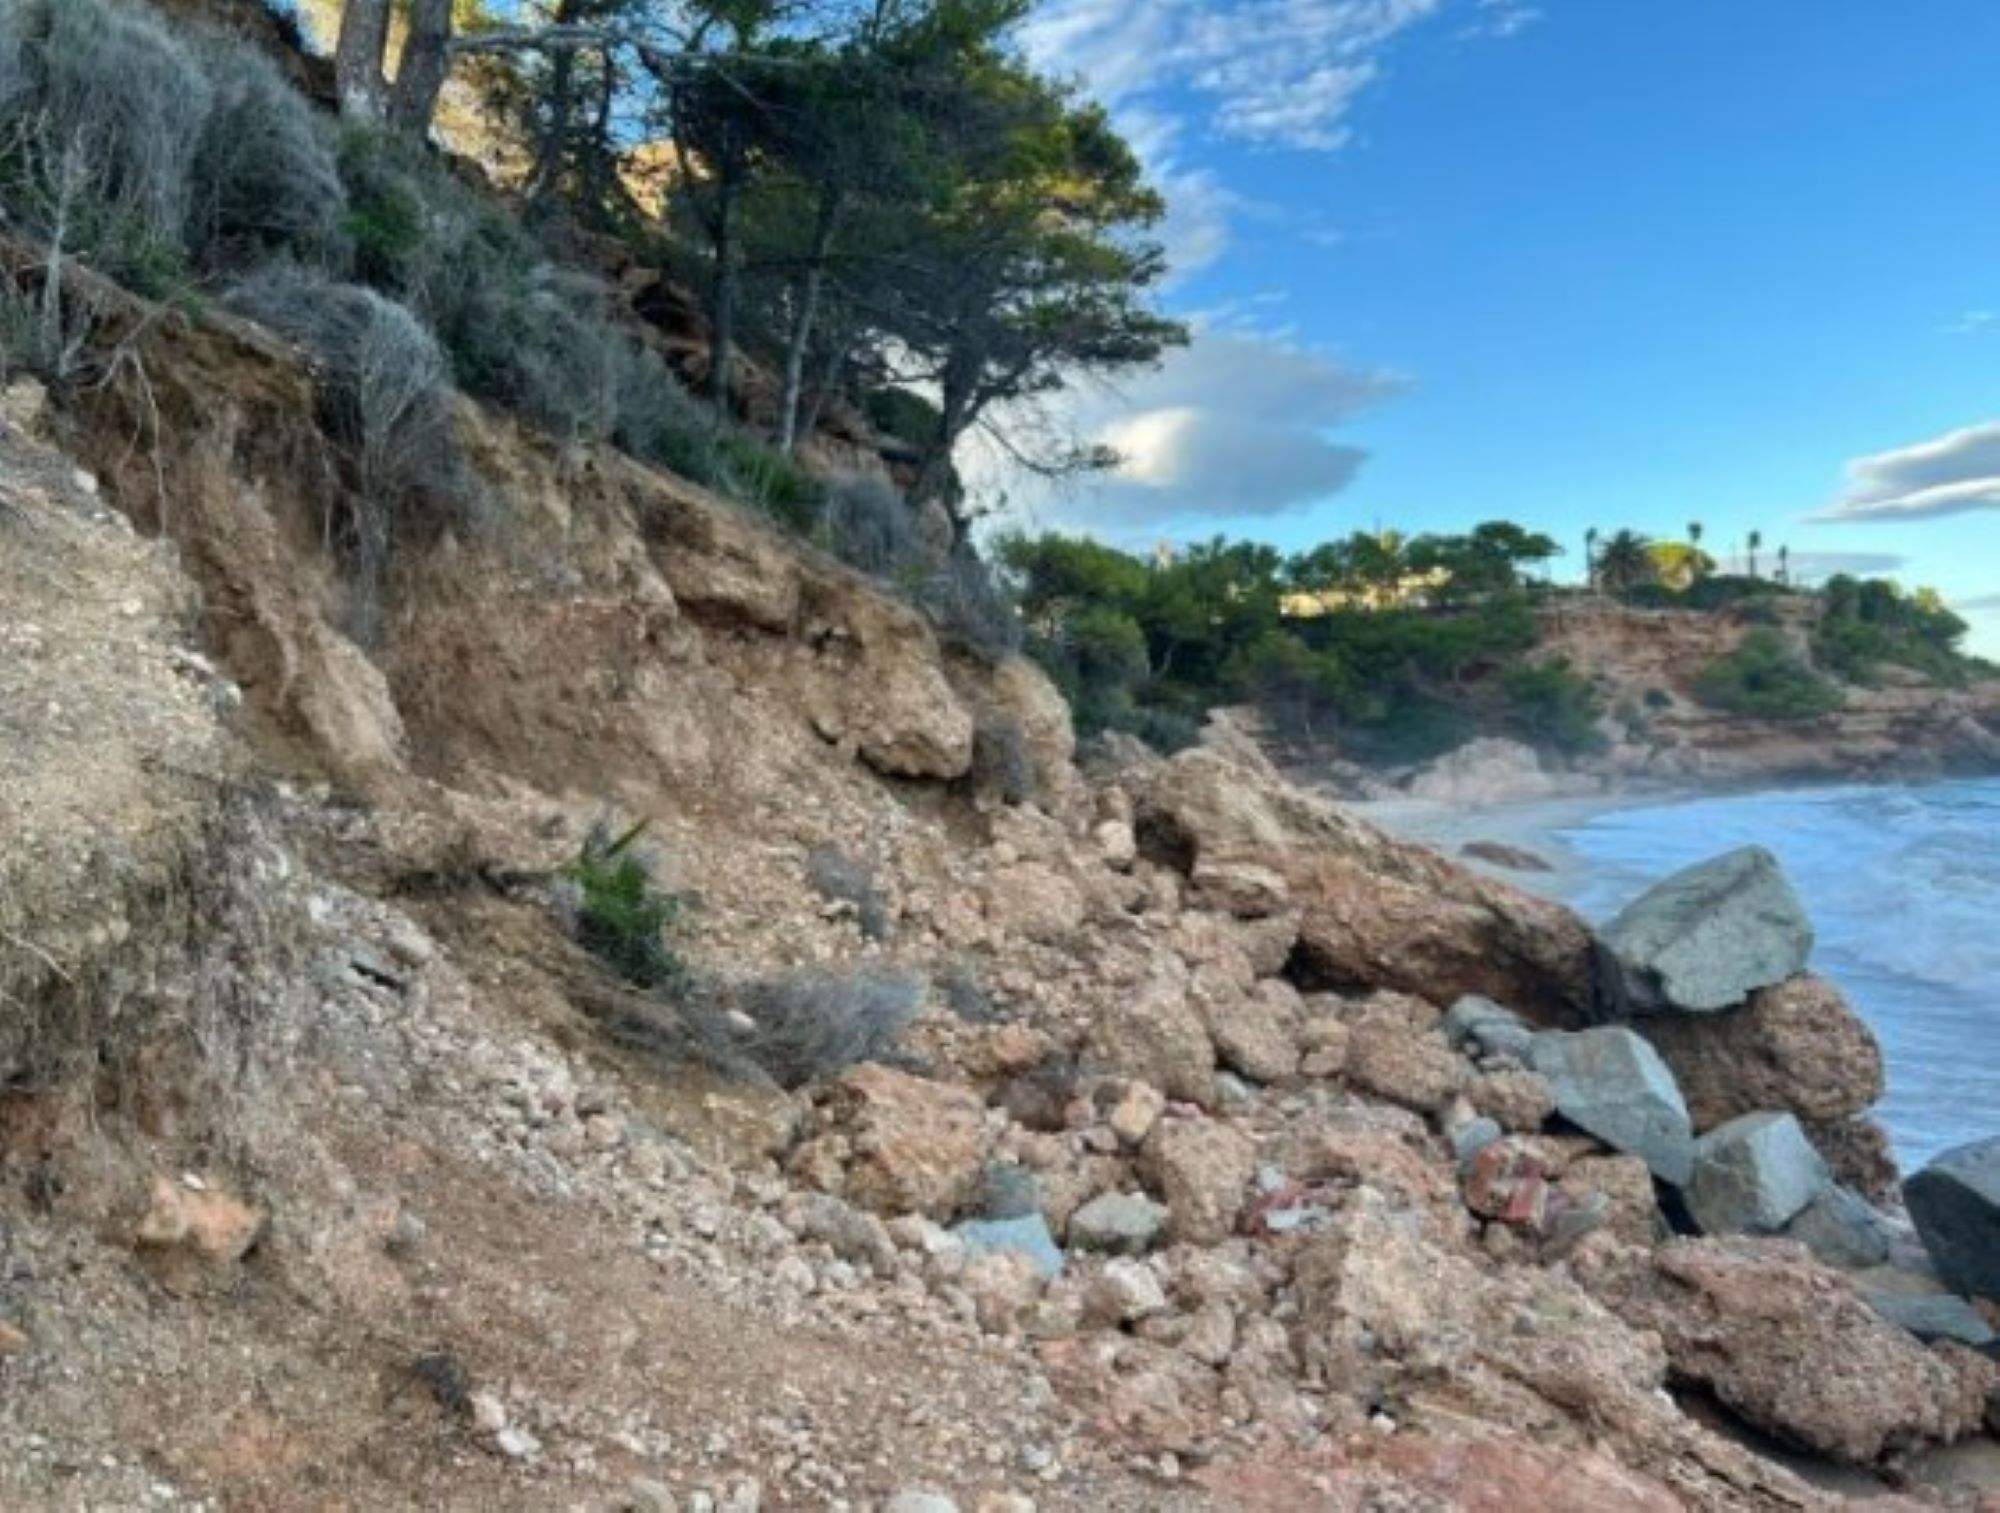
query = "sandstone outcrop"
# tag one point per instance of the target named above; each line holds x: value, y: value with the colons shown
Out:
x: 1790, y: 1346
x: 1373, y: 911
x: 1797, y: 1046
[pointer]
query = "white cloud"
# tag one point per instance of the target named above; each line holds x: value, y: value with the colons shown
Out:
x: 1503, y: 19
x: 1239, y: 425
x: 1952, y: 474
x: 1975, y: 323
x: 1272, y: 72
x: 1977, y: 603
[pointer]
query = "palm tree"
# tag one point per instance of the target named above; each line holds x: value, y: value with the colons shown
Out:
x: 1625, y: 563
x: 1785, y: 566
x: 1756, y: 540
x: 1590, y: 558
x: 1694, y: 533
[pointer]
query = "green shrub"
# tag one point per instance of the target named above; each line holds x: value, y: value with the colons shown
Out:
x: 385, y: 400
x: 902, y: 415
x: 1762, y: 679
x: 1549, y: 704
x: 622, y: 914
x: 266, y: 171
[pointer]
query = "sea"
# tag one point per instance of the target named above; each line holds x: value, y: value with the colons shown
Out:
x: 1903, y: 887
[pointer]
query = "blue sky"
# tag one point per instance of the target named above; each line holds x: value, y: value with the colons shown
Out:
x: 1571, y: 262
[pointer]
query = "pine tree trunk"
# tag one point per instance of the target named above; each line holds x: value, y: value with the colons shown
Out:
x: 357, y: 58
x: 421, y: 74
x: 722, y: 313
x: 802, y: 321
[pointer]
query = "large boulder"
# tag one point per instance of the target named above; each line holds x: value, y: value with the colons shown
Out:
x: 1796, y: 1046
x: 917, y: 1146
x: 1708, y: 937
x: 1372, y: 911
x: 1612, y: 1084
x: 1753, y: 1175
x: 1790, y: 1346
x: 1955, y: 1203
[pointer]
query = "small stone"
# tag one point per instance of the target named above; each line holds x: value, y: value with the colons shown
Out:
x: 1118, y: 1223
x: 1026, y: 1237
x: 920, y: 1500
x: 489, y: 1414
x: 406, y: 1235
x: 1125, y: 1292
x: 13, y: 1339
x: 1472, y: 1137
x: 1479, y: 1024
x: 643, y: 1495
x: 1008, y: 1190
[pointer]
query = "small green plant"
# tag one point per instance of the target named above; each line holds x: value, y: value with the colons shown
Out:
x: 1554, y: 706
x: 623, y: 915
x: 1762, y: 679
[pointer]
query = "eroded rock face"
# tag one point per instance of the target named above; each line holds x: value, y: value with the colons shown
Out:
x: 1611, y: 1083
x: 1373, y: 911
x: 1955, y: 1202
x: 1797, y: 1046
x: 1789, y: 1345
x: 1709, y: 936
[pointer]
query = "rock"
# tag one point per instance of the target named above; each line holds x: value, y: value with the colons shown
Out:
x: 644, y: 1495
x: 920, y: 1500
x: 1323, y: 1046
x: 1003, y: 1285
x: 1520, y: 1100
x: 1008, y: 1190
x: 1709, y: 936
x: 1123, y: 1293
x: 1859, y: 1152
x: 1472, y: 1137
x: 1632, y: 1211
x: 1027, y: 1237
x: 1508, y: 1182
x: 1202, y: 1168
x: 847, y: 1231
x: 1257, y: 1034
x: 1023, y: 695
x: 1842, y: 1229
x: 1035, y: 901
x: 204, y: 1223
x: 1119, y: 1223
x: 1371, y: 909
x: 1500, y: 854
x: 1934, y: 1316
x: 1156, y: 1036
x: 1955, y: 1204
x: 1753, y: 1175
x: 1412, y: 1067
x: 1481, y: 1025
x: 1796, y: 1047
x: 1789, y: 1346
x: 1131, y: 1109
x: 917, y: 1145
x: 1612, y: 1084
